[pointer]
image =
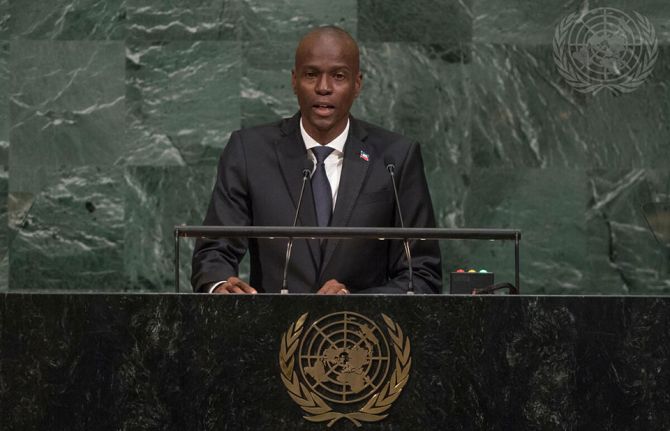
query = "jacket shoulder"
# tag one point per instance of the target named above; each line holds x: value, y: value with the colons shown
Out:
x: 268, y: 132
x: 377, y: 136
x: 267, y: 129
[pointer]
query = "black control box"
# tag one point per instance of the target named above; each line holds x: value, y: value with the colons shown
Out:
x: 466, y: 282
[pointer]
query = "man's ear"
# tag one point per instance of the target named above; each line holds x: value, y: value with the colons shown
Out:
x: 293, y: 81
x: 358, y: 83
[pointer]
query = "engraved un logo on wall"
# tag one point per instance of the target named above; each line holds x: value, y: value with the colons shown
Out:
x: 343, y: 367
x: 605, y: 48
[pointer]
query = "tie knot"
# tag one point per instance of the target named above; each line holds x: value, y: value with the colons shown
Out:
x: 321, y: 153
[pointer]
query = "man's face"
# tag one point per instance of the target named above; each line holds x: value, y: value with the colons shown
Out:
x: 326, y: 80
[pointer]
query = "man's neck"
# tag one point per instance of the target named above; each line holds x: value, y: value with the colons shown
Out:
x: 325, y: 137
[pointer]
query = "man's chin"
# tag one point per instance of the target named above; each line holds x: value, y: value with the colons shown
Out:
x: 322, y: 124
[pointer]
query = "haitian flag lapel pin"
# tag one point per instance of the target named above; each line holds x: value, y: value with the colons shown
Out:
x: 364, y: 156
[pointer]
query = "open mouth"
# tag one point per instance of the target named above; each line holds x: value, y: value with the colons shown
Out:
x: 323, y: 109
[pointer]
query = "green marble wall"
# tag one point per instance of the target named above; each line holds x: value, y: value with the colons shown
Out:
x: 113, y: 113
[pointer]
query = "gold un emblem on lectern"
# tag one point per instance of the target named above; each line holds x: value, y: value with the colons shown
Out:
x: 342, y: 367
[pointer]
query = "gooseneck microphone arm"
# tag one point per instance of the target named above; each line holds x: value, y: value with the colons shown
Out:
x: 390, y: 166
x: 306, y: 172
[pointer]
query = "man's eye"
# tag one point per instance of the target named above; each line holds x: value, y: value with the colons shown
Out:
x: 340, y: 76
x: 310, y: 74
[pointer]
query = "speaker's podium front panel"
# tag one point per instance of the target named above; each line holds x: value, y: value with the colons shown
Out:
x: 297, y: 362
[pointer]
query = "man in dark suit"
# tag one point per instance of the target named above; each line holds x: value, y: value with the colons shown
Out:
x: 260, y: 175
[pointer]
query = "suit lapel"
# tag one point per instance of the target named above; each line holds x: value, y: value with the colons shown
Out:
x: 354, y: 170
x: 291, y: 155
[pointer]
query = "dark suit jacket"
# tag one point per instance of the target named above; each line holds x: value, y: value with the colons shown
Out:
x: 258, y: 183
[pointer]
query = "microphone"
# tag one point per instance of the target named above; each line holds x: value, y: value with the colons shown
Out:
x: 390, y: 166
x: 306, y: 172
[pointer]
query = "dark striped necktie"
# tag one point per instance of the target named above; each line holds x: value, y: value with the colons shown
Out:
x: 323, y: 196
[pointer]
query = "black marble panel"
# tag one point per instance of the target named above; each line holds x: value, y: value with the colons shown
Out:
x: 266, y: 93
x: 426, y: 21
x: 68, y: 19
x: 421, y: 91
x: 67, y: 104
x: 553, y: 244
x: 69, y: 233
x: 247, y: 20
x: 179, y: 195
x: 4, y: 229
x: 525, y: 114
x: 160, y: 84
x: 98, y: 361
x: 632, y: 130
x: 623, y: 254
x: 182, y: 101
x: 530, y: 23
x: 288, y: 20
x: 4, y: 104
x: 4, y: 19
x: 519, y: 21
x: 177, y: 20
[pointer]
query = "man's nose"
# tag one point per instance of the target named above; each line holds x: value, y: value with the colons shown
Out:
x: 324, y: 84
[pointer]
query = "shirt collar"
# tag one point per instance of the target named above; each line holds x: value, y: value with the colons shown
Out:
x: 337, y: 144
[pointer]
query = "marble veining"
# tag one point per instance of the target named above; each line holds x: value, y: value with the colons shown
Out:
x: 182, y: 100
x: 68, y: 19
x: 147, y: 92
x: 66, y: 92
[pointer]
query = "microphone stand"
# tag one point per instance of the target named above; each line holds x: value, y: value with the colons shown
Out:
x: 408, y: 255
x: 284, y: 288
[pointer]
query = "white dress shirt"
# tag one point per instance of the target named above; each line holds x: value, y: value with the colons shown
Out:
x: 333, y: 162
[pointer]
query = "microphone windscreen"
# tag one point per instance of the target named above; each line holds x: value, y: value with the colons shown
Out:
x: 389, y: 163
x: 307, y: 167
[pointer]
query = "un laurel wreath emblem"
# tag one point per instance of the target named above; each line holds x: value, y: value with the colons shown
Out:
x: 605, y: 48
x: 343, y: 360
